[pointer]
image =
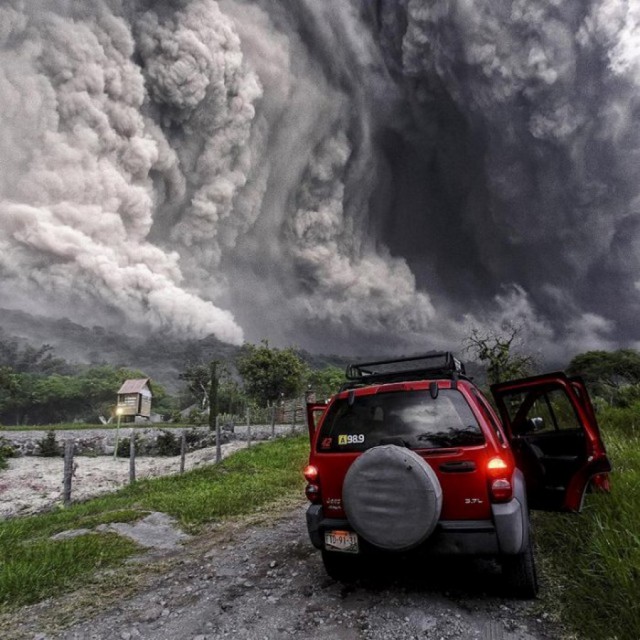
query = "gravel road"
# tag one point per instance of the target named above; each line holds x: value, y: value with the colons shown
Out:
x: 260, y: 579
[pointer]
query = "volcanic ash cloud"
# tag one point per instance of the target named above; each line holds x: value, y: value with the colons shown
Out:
x: 80, y: 153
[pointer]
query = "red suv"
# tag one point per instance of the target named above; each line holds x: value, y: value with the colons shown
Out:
x: 410, y: 455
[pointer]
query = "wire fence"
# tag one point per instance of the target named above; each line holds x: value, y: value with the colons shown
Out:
x: 143, y: 453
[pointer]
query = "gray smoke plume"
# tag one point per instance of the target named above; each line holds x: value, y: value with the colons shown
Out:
x: 344, y: 174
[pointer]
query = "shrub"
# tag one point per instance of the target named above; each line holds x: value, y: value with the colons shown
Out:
x: 124, y: 446
x: 167, y: 444
x: 196, y: 416
x: 193, y: 437
x: 6, y: 451
x: 49, y: 448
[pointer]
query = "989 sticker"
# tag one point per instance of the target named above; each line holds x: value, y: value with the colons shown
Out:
x: 357, y: 438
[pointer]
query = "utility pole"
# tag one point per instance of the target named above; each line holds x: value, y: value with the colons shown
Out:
x: 213, y: 395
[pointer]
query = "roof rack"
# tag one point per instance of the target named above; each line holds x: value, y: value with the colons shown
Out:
x: 431, y: 365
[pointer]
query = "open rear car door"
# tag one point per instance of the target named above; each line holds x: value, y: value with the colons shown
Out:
x: 555, y: 438
x: 314, y: 413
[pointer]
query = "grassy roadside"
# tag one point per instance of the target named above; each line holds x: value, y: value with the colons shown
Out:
x: 33, y: 567
x: 592, y: 561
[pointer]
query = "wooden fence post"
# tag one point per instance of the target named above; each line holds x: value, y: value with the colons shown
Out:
x: 68, y: 472
x: 248, y: 428
x: 183, y: 450
x: 132, y: 457
x: 273, y: 422
x: 218, y: 446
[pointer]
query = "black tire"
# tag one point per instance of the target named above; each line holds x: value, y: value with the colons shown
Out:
x: 341, y: 566
x: 519, y: 572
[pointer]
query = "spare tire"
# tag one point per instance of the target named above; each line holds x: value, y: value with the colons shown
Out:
x: 392, y: 497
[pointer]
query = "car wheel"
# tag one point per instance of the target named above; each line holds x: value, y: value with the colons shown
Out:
x: 519, y: 572
x: 392, y: 497
x: 341, y: 566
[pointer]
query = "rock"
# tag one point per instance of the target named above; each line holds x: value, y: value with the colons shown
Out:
x: 73, y: 533
x: 150, y: 615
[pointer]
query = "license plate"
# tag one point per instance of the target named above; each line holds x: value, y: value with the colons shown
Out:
x: 345, y: 541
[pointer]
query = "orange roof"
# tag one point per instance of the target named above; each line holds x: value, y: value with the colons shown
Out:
x: 135, y: 386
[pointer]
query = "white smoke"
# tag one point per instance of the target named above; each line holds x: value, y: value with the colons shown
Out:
x: 369, y: 173
x: 77, y: 199
x: 343, y: 282
x: 197, y: 78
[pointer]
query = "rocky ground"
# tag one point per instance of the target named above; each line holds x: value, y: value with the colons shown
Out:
x: 260, y: 579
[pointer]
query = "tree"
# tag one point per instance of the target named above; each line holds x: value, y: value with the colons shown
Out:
x: 198, y: 378
x: 501, y: 353
x: 613, y: 375
x: 45, y: 399
x: 29, y: 359
x: 270, y: 373
x: 16, y: 392
x: 325, y: 382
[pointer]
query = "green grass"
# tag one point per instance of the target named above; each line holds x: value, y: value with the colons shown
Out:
x: 43, y: 567
x: 32, y: 566
x: 592, y: 561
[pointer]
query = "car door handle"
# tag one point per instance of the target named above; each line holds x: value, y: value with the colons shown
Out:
x: 464, y: 466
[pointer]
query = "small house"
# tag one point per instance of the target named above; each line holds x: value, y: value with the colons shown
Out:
x: 134, y: 399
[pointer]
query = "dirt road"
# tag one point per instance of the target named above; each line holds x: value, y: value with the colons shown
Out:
x: 261, y: 579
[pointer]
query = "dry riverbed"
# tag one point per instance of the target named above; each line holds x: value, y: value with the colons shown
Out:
x: 32, y: 484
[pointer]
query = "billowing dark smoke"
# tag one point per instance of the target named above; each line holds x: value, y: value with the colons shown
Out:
x: 345, y: 173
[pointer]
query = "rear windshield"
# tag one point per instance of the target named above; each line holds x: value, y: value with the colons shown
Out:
x: 411, y: 418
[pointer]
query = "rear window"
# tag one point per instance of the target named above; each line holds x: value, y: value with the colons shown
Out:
x: 413, y: 417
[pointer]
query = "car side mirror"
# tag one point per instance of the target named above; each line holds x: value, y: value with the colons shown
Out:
x: 533, y: 424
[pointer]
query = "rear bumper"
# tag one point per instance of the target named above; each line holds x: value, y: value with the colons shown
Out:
x: 507, y: 533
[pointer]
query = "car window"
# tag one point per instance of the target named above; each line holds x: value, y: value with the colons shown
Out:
x: 414, y: 417
x: 541, y: 411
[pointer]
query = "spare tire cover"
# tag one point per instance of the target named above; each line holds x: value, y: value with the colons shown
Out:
x: 392, y: 497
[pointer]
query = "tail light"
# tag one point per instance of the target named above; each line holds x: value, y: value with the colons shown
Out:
x: 310, y: 473
x: 499, y: 473
x: 312, y: 490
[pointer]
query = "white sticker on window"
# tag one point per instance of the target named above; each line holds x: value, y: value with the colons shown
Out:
x: 357, y: 438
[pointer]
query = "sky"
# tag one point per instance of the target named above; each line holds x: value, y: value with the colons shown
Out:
x: 355, y: 176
